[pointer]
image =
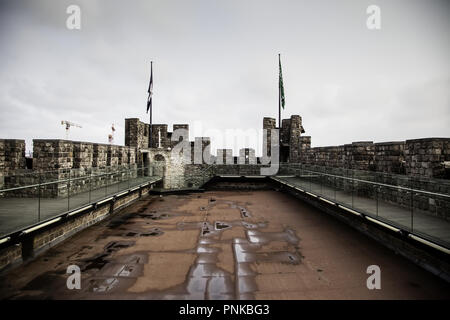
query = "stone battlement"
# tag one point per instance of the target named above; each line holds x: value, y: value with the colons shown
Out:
x: 425, y: 157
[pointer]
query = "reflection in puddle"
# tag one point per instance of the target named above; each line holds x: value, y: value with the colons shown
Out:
x: 256, y: 236
x: 111, y: 273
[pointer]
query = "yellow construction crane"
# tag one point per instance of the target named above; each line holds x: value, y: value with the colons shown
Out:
x: 69, y: 124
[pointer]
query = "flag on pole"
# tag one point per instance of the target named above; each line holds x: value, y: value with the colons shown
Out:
x: 150, y: 89
x: 281, y: 84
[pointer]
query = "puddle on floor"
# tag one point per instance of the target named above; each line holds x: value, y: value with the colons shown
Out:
x: 111, y: 274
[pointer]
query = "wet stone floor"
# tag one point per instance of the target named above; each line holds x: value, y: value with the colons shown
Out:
x: 220, y: 245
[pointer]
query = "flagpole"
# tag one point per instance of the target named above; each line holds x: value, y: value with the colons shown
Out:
x: 279, y: 96
x: 151, y: 107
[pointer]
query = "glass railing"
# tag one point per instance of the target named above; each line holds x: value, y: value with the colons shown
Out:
x: 420, y: 212
x: 51, y: 193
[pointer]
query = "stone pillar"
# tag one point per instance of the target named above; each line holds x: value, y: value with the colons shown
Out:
x: 268, y: 123
x: 100, y: 155
x: 296, y: 129
x: 285, y: 131
x: 305, y: 145
x: 83, y: 153
x: 136, y: 133
x: 113, y: 156
x: 247, y: 156
x: 12, y: 157
x: 52, y: 154
x: 224, y: 156
x: 53, y: 159
x: 132, y: 155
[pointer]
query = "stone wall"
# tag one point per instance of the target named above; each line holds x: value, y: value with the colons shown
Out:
x: 268, y: 125
x: 426, y: 157
x: 357, y: 155
x: 196, y: 175
x: 389, y: 157
x: 160, y: 136
x: 171, y: 168
x: 12, y: 157
x: 419, y: 157
x: 100, y: 155
x: 224, y: 156
x: 247, y: 156
x: 63, y: 160
x: 52, y: 154
x: 295, y: 130
x: 83, y: 154
x: 112, y: 159
x: 136, y: 133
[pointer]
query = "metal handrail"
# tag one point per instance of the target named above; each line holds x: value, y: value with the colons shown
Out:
x: 62, y: 170
x: 299, y: 166
x: 368, y: 172
x: 381, y: 184
x: 71, y: 179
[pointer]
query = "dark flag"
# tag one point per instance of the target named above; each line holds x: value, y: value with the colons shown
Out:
x: 150, y: 89
x: 280, y: 84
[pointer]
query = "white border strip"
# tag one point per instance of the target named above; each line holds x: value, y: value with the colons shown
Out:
x: 41, y: 225
x: 349, y: 210
x: 122, y: 193
x: 327, y: 201
x: 5, y: 240
x: 430, y: 244
x: 105, y: 200
x: 383, y: 224
x: 80, y: 210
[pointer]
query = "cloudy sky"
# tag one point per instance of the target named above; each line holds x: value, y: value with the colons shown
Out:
x: 216, y: 67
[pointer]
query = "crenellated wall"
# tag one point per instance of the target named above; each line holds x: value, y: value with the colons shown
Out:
x: 390, y: 157
x: 12, y: 157
x: 426, y: 157
x: 247, y: 156
x: 136, y: 133
x: 419, y: 157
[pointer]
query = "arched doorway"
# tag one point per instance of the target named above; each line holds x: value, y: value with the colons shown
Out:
x: 160, y: 165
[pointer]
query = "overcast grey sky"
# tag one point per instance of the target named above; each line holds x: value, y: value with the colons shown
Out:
x: 216, y: 62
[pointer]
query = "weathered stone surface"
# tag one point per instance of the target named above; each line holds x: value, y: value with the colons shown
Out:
x: 389, y: 157
x: 247, y: 156
x: 426, y: 157
x: 224, y: 156
x: 268, y: 124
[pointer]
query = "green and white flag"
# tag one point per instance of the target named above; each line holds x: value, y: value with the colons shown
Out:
x: 281, y: 88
